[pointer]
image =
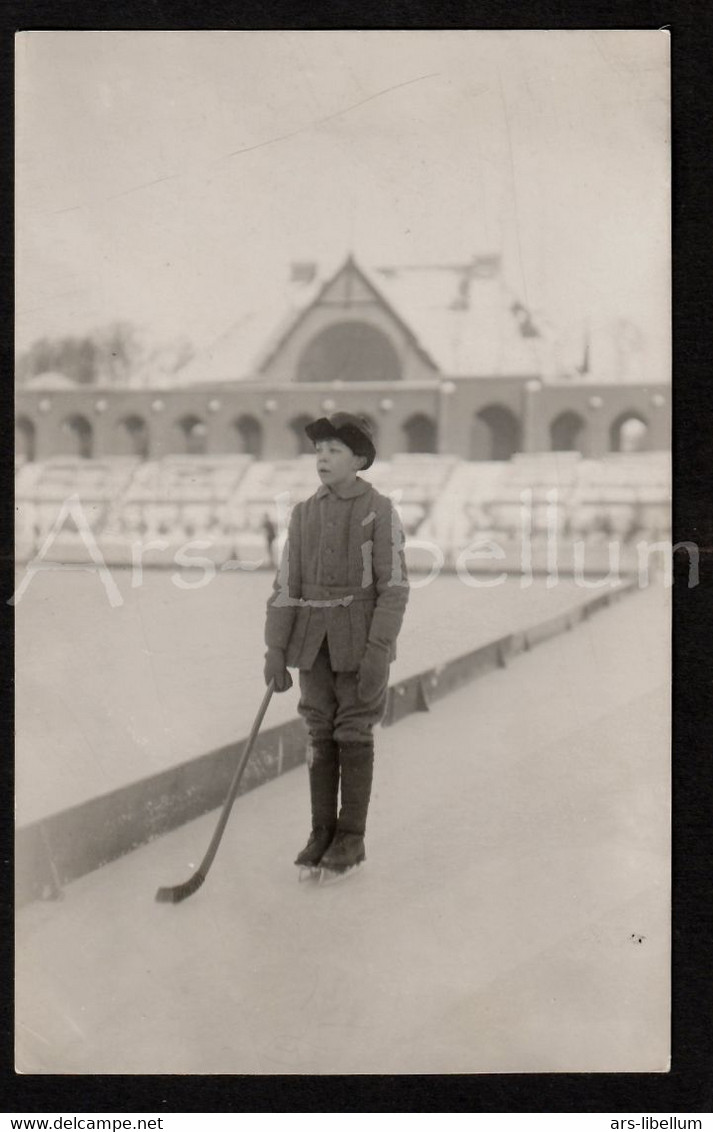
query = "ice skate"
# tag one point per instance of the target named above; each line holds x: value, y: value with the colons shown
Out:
x: 327, y: 878
x: 344, y: 856
x: 309, y: 858
x: 309, y: 874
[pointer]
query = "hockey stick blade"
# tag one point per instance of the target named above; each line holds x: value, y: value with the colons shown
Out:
x: 179, y: 892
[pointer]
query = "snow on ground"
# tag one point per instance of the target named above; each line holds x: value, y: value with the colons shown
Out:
x: 512, y: 914
x: 109, y: 695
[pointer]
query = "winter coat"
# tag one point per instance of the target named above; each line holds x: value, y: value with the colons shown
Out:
x: 343, y: 575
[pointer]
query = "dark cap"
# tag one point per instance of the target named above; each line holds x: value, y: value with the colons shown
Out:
x: 353, y: 431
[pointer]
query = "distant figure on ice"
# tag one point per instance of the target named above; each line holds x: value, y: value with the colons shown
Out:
x: 270, y: 535
x: 335, y: 612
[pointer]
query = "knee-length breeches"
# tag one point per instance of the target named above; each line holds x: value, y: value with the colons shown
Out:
x: 331, y: 707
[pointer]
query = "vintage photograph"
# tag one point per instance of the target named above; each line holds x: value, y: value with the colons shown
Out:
x: 343, y: 552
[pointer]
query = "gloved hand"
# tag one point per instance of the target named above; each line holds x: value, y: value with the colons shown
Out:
x: 276, y: 669
x: 373, y: 671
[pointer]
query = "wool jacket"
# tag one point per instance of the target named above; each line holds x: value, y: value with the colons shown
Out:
x: 342, y: 575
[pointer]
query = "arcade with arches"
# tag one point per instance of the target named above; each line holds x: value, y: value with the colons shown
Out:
x: 495, y: 434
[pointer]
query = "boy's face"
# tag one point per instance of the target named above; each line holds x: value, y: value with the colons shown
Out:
x: 336, y: 463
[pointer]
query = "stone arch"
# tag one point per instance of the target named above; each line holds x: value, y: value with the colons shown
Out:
x: 25, y: 438
x: 496, y: 434
x: 567, y: 432
x: 628, y: 432
x: 193, y: 432
x: 76, y: 437
x: 247, y: 435
x: 420, y: 433
x: 349, y: 351
x: 302, y: 445
x: 132, y: 436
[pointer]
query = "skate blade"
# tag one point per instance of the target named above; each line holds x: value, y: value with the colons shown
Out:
x: 330, y: 877
x: 308, y: 872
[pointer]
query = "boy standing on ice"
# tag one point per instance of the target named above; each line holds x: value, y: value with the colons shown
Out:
x: 335, y: 613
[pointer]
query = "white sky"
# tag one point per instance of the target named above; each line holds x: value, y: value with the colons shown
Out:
x: 170, y: 177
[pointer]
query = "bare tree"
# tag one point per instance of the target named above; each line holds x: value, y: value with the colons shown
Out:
x: 109, y: 355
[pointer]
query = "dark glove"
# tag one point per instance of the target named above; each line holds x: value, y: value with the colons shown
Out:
x: 373, y: 671
x: 276, y: 669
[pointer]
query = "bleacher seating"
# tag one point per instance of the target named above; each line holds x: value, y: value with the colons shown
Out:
x: 420, y: 477
x: 178, y: 498
x: 622, y: 496
x: 461, y: 508
x: 43, y: 489
x: 625, y: 496
x: 414, y: 482
x: 264, y: 485
x: 224, y: 500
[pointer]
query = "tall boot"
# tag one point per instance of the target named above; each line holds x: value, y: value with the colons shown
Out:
x: 357, y: 768
x: 323, y: 788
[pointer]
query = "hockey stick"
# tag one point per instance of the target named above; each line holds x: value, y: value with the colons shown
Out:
x: 183, y: 891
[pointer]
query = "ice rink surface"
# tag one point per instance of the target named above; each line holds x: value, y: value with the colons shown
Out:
x: 512, y: 916
x: 107, y: 695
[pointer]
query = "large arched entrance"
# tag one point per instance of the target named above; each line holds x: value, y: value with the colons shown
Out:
x: 420, y: 434
x: 194, y: 435
x: 302, y: 445
x: 349, y: 351
x: 132, y: 437
x: 568, y: 433
x: 25, y: 439
x: 495, y: 434
x: 247, y: 436
x: 76, y: 437
x: 628, y: 433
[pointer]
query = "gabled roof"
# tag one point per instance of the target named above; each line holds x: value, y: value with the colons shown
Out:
x: 467, y: 318
x: 239, y: 352
x: 350, y: 268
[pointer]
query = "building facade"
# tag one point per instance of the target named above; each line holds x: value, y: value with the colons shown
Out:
x: 464, y: 371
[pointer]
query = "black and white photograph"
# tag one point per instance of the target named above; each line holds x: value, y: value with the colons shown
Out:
x: 343, y: 552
